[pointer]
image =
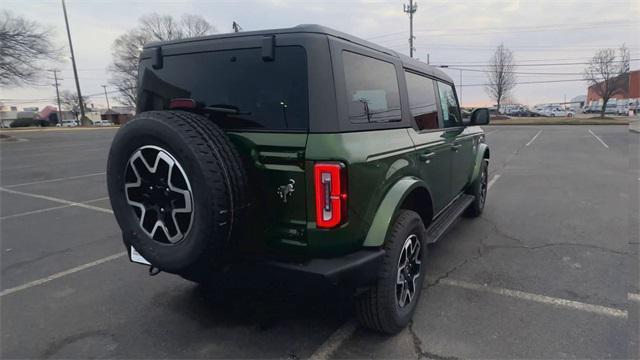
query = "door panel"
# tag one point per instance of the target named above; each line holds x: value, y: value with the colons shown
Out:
x: 460, y: 140
x: 433, y: 156
x: 463, y: 150
x: 432, y: 148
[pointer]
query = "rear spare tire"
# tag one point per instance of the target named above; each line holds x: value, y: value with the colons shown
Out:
x: 178, y: 189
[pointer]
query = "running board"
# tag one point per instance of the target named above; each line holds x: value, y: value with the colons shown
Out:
x: 448, y: 217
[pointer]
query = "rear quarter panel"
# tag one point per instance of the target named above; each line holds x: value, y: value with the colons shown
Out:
x: 272, y: 160
x: 375, y: 161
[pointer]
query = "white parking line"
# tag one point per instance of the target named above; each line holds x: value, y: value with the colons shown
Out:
x: 61, y: 274
x: 54, y: 180
x: 493, y: 180
x: 533, y: 138
x: 49, y: 209
x: 61, y: 201
x: 558, y: 302
x: 334, y: 341
x: 347, y: 329
x: 598, y: 138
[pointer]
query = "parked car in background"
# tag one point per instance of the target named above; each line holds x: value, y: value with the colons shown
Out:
x: 23, y: 123
x: 68, y: 123
x: 515, y: 110
x: 611, y: 108
x: 102, y: 123
x: 557, y: 112
x: 525, y: 113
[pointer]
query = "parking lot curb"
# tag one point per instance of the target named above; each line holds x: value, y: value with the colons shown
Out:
x: 47, y: 129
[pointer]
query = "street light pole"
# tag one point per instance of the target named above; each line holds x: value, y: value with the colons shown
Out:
x: 73, y: 62
x: 55, y: 77
x: 105, y: 96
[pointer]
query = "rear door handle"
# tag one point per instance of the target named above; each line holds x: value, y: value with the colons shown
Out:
x: 427, y: 156
x: 455, y: 147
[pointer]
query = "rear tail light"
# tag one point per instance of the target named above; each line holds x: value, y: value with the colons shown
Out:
x: 331, y: 194
x: 182, y: 103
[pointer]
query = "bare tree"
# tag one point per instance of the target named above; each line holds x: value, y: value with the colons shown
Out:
x: 127, y: 47
x: 24, y: 44
x: 501, y: 75
x: 608, y: 73
x: 194, y: 25
x: 69, y: 101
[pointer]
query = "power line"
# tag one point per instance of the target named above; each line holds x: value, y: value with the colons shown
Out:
x: 554, y: 27
x: 456, y: 63
x: 548, y: 64
x: 28, y: 101
x: 514, y: 72
x: 538, y: 48
x: 533, y: 82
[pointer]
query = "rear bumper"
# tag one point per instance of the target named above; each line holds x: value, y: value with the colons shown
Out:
x: 357, y: 269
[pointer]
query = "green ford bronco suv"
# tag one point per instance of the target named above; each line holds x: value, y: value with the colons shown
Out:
x: 305, y: 151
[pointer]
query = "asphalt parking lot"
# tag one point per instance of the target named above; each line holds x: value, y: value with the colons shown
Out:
x: 549, y: 271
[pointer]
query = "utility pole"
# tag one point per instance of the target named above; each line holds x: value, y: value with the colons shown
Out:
x: 55, y: 78
x: 236, y: 27
x: 427, y: 58
x: 73, y: 62
x: 105, y: 96
x: 460, y: 87
x: 411, y: 9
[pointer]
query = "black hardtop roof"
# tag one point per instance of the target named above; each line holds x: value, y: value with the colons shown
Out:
x: 317, y: 29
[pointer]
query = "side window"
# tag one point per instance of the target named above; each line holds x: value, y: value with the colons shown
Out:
x: 449, y: 105
x: 372, y: 89
x: 422, y: 101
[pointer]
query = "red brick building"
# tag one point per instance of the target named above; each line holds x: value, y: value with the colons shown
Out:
x: 632, y: 90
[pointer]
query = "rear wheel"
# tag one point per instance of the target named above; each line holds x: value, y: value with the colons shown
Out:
x: 479, y: 190
x: 389, y: 305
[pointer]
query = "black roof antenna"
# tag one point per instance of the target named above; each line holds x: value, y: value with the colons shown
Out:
x: 236, y: 27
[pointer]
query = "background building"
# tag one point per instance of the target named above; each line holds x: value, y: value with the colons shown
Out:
x: 632, y: 90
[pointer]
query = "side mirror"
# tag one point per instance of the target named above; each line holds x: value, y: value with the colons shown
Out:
x: 480, y: 116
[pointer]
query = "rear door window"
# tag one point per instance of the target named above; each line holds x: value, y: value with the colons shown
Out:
x: 266, y: 95
x: 449, y: 105
x: 372, y: 89
x: 422, y: 101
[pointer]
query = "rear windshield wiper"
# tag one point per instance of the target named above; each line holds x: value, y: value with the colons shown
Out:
x: 225, y: 109
x: 186, y: 103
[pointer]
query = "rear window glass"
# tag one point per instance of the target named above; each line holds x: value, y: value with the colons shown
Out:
x: 372, y: 89
x: 265, y: 95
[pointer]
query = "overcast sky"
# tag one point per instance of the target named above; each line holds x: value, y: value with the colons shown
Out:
x: 450, y: 31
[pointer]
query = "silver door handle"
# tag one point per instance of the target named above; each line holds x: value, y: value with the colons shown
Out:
x: 455, y: 147
x: 427, y: 156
